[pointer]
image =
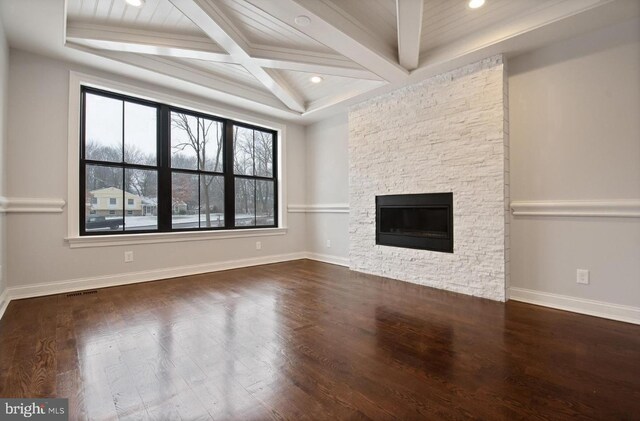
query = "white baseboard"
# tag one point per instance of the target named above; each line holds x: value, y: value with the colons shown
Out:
x: 326, y: 258
x: 4, y: 301
x: 602, y: 309
x: 38, y: 290
x: 562, y: 302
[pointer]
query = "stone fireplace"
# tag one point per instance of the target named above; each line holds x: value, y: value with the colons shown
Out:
x: 448, y: 134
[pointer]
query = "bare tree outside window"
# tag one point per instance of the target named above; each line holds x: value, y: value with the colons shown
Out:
x: 253, y: 156
x: 197, y: 144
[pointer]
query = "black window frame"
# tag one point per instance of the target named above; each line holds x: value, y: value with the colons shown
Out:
x: 165, y: 171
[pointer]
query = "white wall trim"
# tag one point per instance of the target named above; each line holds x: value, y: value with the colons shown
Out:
x: 602, y: 309
x: 562, y: 302
x: 4, y: 301
x: 30, y: 205
x: 623, y: 208
x: 326, y: 258
x: 42, y: 289
x: 319, y: 208
x: 38, y: 290
x: 168, y: 237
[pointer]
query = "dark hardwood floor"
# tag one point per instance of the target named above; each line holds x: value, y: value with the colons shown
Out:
x: 306, y: 340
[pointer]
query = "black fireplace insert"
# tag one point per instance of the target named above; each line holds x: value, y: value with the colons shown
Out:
x: 417, y: 221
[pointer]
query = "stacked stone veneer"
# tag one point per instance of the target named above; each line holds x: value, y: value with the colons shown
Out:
x: 448, y: 133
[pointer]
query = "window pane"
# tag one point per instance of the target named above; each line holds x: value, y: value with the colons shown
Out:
x: 245, y: 202
x: 211, y: 201
x: 211, y: 149
x: 263, y: 153
x: 142, y: 200
x: 103, y: 128
x: 184, y: 201
x: 103, y: 199
x: 184, y: 141
x: 140, y: 140
x: 242, y: 151
x: 265, y: 201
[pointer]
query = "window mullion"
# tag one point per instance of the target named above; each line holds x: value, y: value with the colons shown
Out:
x: 164, y: 171
x: 199, y: 160
x: 229, y: 179
x: 124, y: 178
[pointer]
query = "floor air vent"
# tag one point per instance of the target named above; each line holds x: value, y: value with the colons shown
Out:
x: 77, y: 294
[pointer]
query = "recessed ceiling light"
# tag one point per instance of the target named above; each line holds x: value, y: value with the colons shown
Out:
x: 474, y: 4
x: 316, y: 79
x: 135, y: 3
x: 302, y: 20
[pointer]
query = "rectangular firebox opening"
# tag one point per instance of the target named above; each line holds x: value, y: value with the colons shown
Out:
x: 419, y: 221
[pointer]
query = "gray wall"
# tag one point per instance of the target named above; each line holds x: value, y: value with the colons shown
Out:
x: 327, y: 172
x: 37, y: 145
x: 4, y: 75
x: 575, y: 135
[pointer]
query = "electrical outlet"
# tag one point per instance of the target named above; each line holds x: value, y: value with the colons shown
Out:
x: 128, y: 256
x: 258, y: 245
x: 582, y: 276
x: 328, y: 244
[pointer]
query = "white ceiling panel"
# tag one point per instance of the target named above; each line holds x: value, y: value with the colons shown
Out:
x: 329, y: 87
x: 158, y: 15
x: 445, y: 21
x: 377, y: 17
x: 263, y: 29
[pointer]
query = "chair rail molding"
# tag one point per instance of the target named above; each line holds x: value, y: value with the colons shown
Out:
x: 620, y: 208
x: 31, y: 205
x: 319, y: 208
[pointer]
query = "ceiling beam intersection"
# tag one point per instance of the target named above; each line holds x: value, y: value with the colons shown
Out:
x: 335, y: 29
x: 208, y: 17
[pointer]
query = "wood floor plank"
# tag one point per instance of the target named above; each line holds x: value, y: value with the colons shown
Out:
x: 307, y: 340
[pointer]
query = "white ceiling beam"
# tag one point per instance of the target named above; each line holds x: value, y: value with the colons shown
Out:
x: 336, y: 30
x: 116, y: 38
x: 206, y: 15
x: 146, y: 42
x: 309, y: 62
x: 168, y: 67
x: 141, y: 36
x: 409, y: 16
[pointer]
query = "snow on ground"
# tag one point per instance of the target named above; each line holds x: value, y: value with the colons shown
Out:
x: 179, y: 221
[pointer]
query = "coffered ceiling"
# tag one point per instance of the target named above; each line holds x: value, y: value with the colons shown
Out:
x: 265, y: 52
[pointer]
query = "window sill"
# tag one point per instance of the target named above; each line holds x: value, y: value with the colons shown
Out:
x: 168, y: 237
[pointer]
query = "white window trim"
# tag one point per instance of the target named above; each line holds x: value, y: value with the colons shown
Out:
x: 76, y: 81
